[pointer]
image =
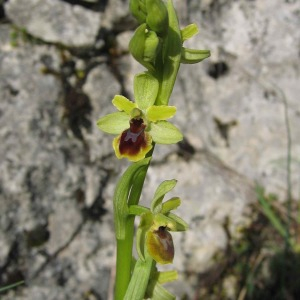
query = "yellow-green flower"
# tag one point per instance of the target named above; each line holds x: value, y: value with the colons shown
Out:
x: 139, y: 124
x: 153, y: 232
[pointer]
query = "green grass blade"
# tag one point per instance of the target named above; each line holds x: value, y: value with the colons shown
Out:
x: 11, y: 286
x: 271, y: 215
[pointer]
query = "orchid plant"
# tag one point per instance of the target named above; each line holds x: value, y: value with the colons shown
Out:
x: 157, y: 44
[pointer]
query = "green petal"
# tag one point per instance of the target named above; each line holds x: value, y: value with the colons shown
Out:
x: 181, y: 225
x: 145, y: 90
x: 189, y: 31
x: 171, y: 204
x: 162, y: 112
x: 123, y: 104
x: 165, y: 187
x: 114, y: 123
x: 193, y: 56
x: 164, y: 132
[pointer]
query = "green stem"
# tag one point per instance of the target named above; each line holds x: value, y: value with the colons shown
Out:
x: 171, y: 57
x: 124, y: 246
x: 124, y: 260
x: 166, y: 75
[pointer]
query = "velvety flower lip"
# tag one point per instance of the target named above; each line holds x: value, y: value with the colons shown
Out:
x: 133, y: 143
x: 160, y: 245
x: 140, y: 124
x: 136, y: 129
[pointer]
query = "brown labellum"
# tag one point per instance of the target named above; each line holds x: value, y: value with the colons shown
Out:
x: 133, y: 139
x: 160, y: 245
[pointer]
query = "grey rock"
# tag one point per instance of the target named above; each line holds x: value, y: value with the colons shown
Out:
x: 213, y: 197
x: 51, y: 188
x: 55, y: 21
x: 122, y: 41
x: 240, y: 115
x: 58, y: 171
x: 101, y: 86
x: 116, y: 16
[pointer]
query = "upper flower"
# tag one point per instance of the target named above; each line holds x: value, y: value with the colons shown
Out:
x: 138, y: 124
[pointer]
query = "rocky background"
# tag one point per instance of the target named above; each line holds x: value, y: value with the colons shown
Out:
x: 61, y: 63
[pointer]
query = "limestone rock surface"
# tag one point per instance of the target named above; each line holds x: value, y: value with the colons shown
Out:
x: 238, y: 112
x: 55, y: 21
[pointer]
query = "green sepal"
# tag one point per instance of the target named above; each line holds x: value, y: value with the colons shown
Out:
x: 171, y: 204
x: 137, y: 46
x: 167, y: 276
x: 122, y: 193
x: 145, y: 90
x: 165, y: 187
x: 114, y: 123
x: 163, y: 132
x: 157, y: 16
x: 123, y: 104
x: 151, y: 47
x: 189, y: 31
x: 138, y: 9
x: 193, y: 56
x: 156, y: 291
x: 181, y: 225
x: 160, y: 112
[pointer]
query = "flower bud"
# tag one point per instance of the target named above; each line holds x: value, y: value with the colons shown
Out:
x: 157, y: 16
x: 137, y: 46
x: 138, y: 9
x: 151, y: 47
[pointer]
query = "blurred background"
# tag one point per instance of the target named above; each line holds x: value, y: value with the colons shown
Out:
x: 238, y: 167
